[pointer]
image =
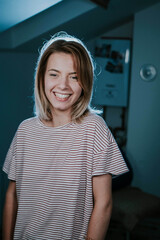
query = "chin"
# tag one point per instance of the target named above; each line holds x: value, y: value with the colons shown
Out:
x: 62, y: 109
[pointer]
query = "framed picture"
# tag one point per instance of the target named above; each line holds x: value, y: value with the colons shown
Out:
x: 112, y: 57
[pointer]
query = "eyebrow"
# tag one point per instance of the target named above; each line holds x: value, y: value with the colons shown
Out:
x: 52, y: 69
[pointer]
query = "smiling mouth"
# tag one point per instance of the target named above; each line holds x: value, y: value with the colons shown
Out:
x: 62, y: 97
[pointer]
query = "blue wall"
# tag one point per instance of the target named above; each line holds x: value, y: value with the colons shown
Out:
x: 16, y: 71
x: 143, y: 148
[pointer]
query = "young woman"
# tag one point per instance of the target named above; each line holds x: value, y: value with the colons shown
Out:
x: 60, y: 163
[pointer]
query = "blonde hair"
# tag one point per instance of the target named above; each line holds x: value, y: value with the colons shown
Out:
x: 62, y: 42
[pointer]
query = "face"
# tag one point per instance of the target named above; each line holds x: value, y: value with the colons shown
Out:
x: 61, y: 83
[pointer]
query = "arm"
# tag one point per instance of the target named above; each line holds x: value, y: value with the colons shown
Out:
x: 10, y: 211
x: 101, y: 214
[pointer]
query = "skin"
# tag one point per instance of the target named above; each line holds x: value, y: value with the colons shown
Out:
x: 10, y: 211
x: 102, y: 209
x: 62, y: 88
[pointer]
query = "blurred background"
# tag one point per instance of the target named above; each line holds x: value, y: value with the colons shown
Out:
x: 102, y: 24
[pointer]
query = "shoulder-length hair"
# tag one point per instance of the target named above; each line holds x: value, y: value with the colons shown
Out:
x: 62, y: 42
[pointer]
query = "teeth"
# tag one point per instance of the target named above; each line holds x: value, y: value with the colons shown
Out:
x: 62, y: 95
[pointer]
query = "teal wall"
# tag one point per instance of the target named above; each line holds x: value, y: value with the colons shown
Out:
x: 17, y: 73
x: 143, y: 147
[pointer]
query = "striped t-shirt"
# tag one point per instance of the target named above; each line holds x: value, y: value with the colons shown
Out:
x: 53, y: 169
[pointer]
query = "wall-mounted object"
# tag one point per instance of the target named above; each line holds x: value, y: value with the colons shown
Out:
x: 113, y: 58
x: 148, y: 72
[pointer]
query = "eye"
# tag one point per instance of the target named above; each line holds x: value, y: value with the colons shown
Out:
x: 74, y: 78
x: 53, y: 74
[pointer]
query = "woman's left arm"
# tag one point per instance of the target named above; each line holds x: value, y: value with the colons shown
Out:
x: 100, y: 218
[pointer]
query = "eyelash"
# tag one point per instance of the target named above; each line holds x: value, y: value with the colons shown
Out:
x: 76, y: 78
x: 55, y: 75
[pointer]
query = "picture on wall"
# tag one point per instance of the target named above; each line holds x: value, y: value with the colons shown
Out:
x: 113, y: 58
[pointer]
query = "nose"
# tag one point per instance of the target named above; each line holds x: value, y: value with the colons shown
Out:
x: 63, y: 82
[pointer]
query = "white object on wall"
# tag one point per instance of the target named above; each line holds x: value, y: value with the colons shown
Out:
x: 148, y: 72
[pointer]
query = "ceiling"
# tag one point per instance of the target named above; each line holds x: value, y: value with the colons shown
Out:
x: 13, y: 12
x: 82, y: 18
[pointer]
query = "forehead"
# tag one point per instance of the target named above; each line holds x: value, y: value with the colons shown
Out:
x: 62, y: 59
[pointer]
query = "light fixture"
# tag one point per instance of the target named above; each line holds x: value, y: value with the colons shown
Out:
x: 148, y: 72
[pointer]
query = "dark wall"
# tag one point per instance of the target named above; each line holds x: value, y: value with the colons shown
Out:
x: 16, y: 77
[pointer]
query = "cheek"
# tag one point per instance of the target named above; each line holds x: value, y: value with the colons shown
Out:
x: 47, y: 88
x: 47, y: 84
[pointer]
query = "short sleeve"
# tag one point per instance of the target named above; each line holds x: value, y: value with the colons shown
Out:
x: 9, y: 166
x: 107, y: 156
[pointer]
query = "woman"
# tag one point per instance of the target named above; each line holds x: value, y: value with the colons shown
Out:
x: 60, y: 162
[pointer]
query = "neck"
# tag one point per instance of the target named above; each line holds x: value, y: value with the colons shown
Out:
x: 60, y: 119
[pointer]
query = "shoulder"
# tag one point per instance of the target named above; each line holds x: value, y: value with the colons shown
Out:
x: 27, y: 123
x: 95, y: 120
x: 98, y: 126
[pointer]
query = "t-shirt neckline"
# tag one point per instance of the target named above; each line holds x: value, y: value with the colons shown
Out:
x: 54, y: 128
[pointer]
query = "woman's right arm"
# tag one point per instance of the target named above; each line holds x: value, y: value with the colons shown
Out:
x: 10, y: 211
